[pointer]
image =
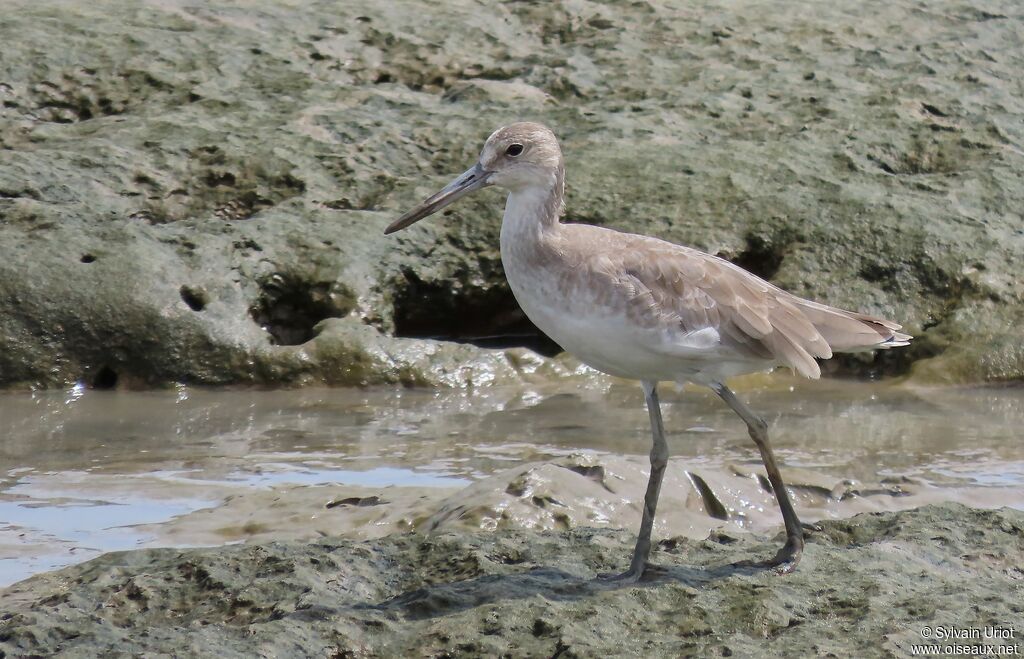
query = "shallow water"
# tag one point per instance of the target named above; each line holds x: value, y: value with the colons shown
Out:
x: 83, y: 472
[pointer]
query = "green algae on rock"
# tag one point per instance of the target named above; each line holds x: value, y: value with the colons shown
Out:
x: 188, y: 192
x: 867, y: 587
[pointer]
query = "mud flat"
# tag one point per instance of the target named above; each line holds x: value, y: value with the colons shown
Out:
x: 454, y: 523
x: 88, y: 472
x: 867, y: 587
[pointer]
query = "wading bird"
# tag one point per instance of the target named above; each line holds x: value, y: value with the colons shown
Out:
x: 645, y: 309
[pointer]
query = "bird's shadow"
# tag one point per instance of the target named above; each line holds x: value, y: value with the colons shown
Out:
x: 442, y: 599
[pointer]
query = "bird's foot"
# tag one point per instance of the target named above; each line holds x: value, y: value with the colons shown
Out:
x: 785, y: 561
x: 646, y: 572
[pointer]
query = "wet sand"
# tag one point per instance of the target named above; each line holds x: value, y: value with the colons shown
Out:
x: 89, y: 472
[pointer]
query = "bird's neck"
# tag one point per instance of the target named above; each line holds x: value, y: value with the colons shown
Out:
x: 532, y: 211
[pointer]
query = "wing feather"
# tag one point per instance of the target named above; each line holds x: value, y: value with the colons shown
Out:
x: 683, y: 290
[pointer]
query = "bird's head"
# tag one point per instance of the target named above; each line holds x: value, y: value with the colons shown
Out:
x: 515, y: 157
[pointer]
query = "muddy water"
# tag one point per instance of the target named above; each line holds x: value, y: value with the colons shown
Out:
x: 84, y: 472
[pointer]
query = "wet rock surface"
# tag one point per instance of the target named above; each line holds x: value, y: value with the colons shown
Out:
x: 196, y: 193
x: 575, y: 492
x: 867, y: 587
x: 96, y: 471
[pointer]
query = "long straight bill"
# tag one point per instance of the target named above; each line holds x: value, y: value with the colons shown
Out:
x: 470, y: 180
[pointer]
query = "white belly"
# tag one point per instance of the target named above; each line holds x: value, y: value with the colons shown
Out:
x: 605, y: 338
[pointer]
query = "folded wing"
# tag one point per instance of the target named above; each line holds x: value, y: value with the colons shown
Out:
x: 685, y: 290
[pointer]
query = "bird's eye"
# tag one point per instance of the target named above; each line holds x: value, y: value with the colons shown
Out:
x: 514, y: 150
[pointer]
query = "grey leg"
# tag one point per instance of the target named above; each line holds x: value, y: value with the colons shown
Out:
x: 788, y: 557
x: 659, y: 460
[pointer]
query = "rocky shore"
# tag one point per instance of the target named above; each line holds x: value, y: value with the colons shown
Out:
x: 195, y: 193
x: 867, y: 587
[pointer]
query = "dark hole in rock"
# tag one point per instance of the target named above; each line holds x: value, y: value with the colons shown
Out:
x: 360, y: 502
x: 214, y: 179
x: 722, y: 538
x: 543, y: 501
x: 595, y: 473
x: 872, y: 365
x: 87, y: 258
x: 290, y: 306
x: 761, y: 257
x: 195, y: 298
x: 489, y: 317
x: 932, y: 110
x: 106, y: 378
x: 518, y: 487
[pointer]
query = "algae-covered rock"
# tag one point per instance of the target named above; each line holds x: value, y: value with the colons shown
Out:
x: 188, y: 191
x: 867, y: 586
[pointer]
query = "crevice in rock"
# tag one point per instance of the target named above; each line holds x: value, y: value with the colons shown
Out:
x: 761, y: 256
x: 357, y: 502
x: 106, y: 378
x: 488, y: 317
x: 195, y: 298
x: 942, y: 285
x: 290, y: 306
